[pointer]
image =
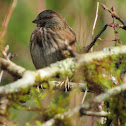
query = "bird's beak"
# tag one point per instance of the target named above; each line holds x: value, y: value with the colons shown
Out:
x: 35, y: 21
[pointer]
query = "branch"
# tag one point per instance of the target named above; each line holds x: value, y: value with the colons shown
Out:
x: 58, y: 85
x: 69, y: 113
x: 72, y: 112
x: 30, y: 78
x: 95, y: 39
x: 6, y: 21
x: 112, y: 92
x: 96, y: 17
x: 114, y: 14
x: 82, y: 109
x: 98, y: 114
x: 27, y: 81
x: 6, y: 56
x: 12, y: 68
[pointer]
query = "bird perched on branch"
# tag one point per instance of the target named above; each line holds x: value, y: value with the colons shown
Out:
x: 52, y: 40
x: 51, y: 37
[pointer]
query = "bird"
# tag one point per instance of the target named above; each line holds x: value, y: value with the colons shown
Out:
x: 50, y: 39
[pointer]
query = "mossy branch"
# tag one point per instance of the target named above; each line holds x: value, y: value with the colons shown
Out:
x: 30, y: 78
x: 83, y: 109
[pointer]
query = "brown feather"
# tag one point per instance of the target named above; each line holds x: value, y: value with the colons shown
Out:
x: 48, y: 39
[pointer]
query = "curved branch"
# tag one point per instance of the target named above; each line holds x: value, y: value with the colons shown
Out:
x: 27, y: 80
x: 12, y: 68
x: 67, y: 65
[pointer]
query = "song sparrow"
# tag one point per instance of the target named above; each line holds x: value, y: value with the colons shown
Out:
x: 49, y: 39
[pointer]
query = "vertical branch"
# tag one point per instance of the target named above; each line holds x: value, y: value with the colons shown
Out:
x: 84, y: 96
x: 6, y: 20
x: 96, y: 17
x: 1, y: 74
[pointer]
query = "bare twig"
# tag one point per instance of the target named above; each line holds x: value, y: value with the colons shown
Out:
x: 95, y: 39
x: 4, y: 53
x: 96, y: 17
x: 84, y: 96
x: 1, y: 75
x: 6, y: 20
x: 114, y: 14
x: 6, y: 56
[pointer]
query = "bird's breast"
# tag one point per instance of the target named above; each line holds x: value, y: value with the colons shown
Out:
x: 45, y: 47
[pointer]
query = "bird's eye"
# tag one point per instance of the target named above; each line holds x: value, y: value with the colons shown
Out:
x: 43, y: 24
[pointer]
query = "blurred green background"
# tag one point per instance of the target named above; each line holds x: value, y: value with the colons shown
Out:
x: 80, y: 15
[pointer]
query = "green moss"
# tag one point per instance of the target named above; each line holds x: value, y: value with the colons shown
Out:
x: 118, y: 108
x: 20, y: 97
x: 105, y: 73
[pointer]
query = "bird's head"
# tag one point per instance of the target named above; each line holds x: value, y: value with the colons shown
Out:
x: 50, y: 19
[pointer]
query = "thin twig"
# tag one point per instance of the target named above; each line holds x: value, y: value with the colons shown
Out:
x: 6, y: 20
x: 4, y: 53
x: 84, y: 96
x: 114, y: 14
x: 96, y: 17
x: 1, y: 75
x: 94, y: 41
x: 7, y: 57
x: 5, y: 25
